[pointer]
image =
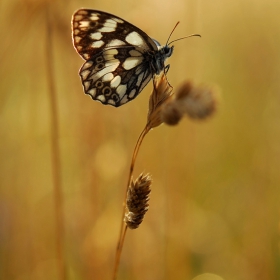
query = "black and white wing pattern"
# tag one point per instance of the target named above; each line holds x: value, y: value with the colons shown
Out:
x: 120, y: 58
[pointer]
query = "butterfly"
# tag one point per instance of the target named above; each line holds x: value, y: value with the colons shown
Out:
x: 120, y: 59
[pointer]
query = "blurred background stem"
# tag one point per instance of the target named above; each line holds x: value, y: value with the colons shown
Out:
x: 55, y: 149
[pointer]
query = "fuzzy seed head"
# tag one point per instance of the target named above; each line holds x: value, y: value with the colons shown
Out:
x: 198, y: 102
x: 170, y: 114
x: 137, y: 201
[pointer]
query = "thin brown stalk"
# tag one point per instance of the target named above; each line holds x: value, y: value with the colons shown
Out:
x: 55, y: 151
x: 123, y: 227
x: 161, y: 93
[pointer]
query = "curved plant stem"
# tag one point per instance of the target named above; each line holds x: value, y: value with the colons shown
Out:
x: 123, y: 228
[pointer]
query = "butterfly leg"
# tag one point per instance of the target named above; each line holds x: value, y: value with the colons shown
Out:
x: 166, y: 68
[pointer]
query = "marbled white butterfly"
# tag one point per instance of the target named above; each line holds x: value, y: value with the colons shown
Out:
x: 120, y: 58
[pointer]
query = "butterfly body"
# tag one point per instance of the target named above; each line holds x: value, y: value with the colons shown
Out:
x: 120, y: 58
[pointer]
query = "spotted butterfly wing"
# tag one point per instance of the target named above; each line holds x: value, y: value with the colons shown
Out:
x: 120, y: 58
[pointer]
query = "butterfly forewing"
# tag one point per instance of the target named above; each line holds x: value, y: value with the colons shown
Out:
x: 118, y: 56
x: 94, y: 30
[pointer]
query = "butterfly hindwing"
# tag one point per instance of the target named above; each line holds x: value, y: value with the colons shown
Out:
x: 106, y: 79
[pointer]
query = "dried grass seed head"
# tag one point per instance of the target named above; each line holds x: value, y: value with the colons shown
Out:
x: 137, y: 201
x: 161, y: 94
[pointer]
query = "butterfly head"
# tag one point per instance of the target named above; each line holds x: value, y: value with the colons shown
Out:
x: 167, y: 51
x: 159, y: 58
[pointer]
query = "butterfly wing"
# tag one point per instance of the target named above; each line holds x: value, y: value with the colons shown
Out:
x: 115, y: 76
x: 117, y: 56
x: 94, y: 31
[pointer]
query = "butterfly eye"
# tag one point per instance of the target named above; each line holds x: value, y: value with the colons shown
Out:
x: 168, y: 51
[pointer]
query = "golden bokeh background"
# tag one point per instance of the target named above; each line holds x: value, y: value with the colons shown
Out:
x: 214, y: 207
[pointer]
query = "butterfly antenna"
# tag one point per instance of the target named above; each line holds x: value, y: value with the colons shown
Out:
x: 171, y: 33
x: 192, y: 35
